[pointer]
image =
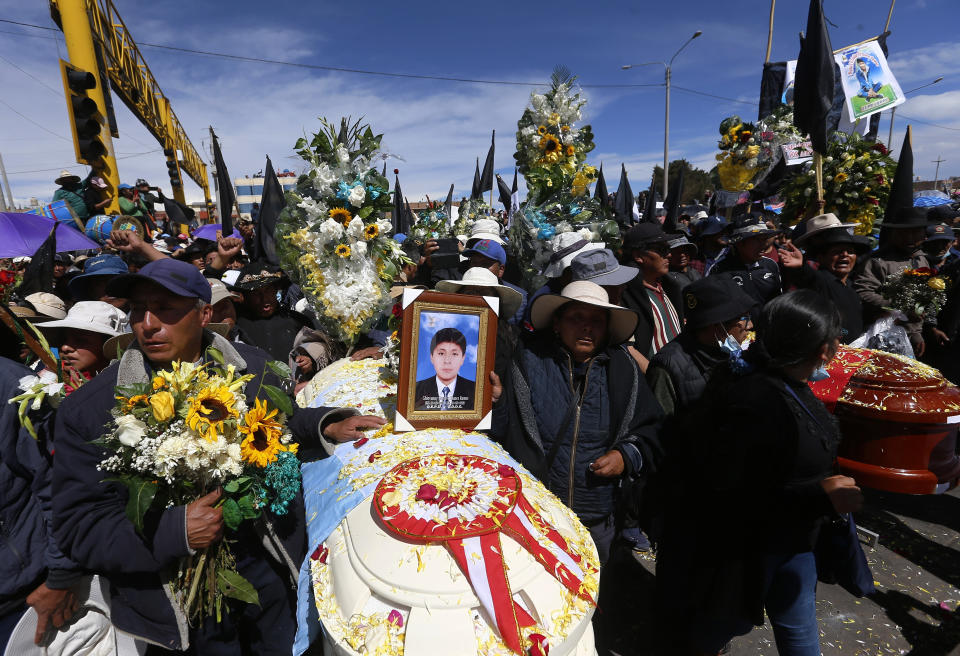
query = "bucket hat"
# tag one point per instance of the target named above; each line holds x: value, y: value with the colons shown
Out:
x: 622, y: 321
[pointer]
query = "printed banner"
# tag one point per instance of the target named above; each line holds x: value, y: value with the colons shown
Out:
x: 787, y: 97
x: 868, y: 82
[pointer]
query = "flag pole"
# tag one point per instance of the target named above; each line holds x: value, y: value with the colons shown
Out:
x: 773, y: 6
x: 889, y: 15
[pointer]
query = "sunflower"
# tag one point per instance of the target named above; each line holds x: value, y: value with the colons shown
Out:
x: 569, y: 150
x: 549, y: 143
x: 371, y: 231
x: 564, y: 128
x: 343, y: 250
x: 542, y: 130
x: 261, y: 443
x: 132, y: 401
x: 341, y: 214
x: 209, y: 409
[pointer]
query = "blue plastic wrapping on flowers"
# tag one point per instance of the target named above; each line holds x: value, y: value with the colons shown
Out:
x: 374, y: 192
x: 343, y: 189
x: 283, y: 477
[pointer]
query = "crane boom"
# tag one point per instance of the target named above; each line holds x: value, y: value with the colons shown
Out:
x: 132, y: 80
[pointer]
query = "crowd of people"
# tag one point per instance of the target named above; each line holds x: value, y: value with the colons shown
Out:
x: 625, y: 384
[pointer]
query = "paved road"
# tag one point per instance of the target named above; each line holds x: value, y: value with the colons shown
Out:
x: 915, y: 611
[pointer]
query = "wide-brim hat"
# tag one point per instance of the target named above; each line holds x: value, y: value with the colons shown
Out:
x: 92, y: 316
x: 569, y: 245
x: 256, y: 275
x: 751, y: 228
x: 486, y: 229
x: 818, y: 224
x: 119, y: 343
x: 600, y: 266
x: 66, y: 175
x: 510, y: 299
x: 713, y: 300
x: 683, y: 242
x: 28, y: 314
x: 909, y: 217
x: 622, y: 321
x: 837, y: 236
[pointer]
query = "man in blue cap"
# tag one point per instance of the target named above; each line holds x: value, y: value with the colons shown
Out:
x: 91, y: 285
x: 170, y: 309
x: 489, y: 254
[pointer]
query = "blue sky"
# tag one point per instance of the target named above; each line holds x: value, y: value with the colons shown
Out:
x: 436, y: 129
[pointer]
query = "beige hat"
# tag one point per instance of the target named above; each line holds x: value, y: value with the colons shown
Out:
x: 219, y: 292
x: 22, y: 312
x: 486, y: 229
x: 113, y: 347
x: 95, y: 316
x: 622, y: 321
x: 568, y: 246
x: 820, y: 223
x: 48, y: 305
x: 510, y: 299
x: 64, y: 176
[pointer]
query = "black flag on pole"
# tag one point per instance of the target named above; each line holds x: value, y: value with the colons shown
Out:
x: 672, y: 204
x: 600, y: 191
x: 514, y: 198
x: 225, y: 192
x: 397, y: 215
x: 38, y: 276
x: 815, y: 79
x: 504, y: 192
x: 177, y: 213
x: 475, y: 191
x: 448, y: 205
x: 626, y: 206
x: 901, y: 187
x: 650, y: 207
x: 486, y: 178
x: 271, y: 204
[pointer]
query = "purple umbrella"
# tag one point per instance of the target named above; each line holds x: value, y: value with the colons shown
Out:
x: 209, y: 231
x: 23, y: 234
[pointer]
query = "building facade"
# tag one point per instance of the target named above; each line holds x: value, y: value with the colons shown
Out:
x: 250, y: 189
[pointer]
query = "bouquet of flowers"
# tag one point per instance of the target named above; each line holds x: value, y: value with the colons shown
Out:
x: 551, y: 154
x: 9, y: 281
x: 187, y: 432
x: 332, y: 239
x: 916, y: 292
x: 857, y: 174
x: 431, y: 223
x: 740, y: 160
x: 470, y: 211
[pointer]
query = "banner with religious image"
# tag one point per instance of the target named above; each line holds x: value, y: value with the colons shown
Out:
x: 868, y: 83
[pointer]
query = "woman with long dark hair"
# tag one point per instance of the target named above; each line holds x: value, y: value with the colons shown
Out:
x: 751, y: 471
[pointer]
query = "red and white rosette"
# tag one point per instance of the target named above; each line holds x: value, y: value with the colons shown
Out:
x: 466, y: 502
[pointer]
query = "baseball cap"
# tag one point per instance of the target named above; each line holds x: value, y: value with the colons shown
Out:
x: 219, y: 292
x: 485, y: 229
x: 939, y: 232
x: 488, y: 248
x: 180, y: 278
x: 643, y: 235
x: 124, y: 185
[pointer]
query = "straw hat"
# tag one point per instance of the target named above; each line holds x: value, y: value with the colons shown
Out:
x: 622, y: 321
x: 66, y: 175
x: 510, y: 299
x: 820, y: 223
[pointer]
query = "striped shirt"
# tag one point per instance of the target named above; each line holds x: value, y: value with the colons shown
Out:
x: 666, y: 323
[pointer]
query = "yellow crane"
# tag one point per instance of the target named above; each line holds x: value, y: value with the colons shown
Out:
x: 100, y: 47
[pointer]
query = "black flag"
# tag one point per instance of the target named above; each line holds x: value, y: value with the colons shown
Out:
x: 397, y: 215
x: 815, y: 79
x: 271, y: 204
x: 650, y: 207
x: 901, y: 187
x: 177, y: 213
x: 384, y: 173
x: 476, y: 192
x: 600, y: 191
x: 771, y: 88
x: 672, y: 203
x: 225, y: 192
x: 38, y: 276
x: 448, y: 205
x: 505, y: 193
x: 625, y: 204
x: 486, y: 178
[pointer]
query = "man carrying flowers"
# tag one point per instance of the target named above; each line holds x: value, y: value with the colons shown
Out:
x: 169, y: 312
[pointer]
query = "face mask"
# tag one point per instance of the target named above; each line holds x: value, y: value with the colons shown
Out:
x: 732, y: 346
x: 820, y: 373
x: 734, y: 350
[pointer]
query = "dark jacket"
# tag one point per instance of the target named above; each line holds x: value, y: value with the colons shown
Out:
x: 678, y: 373
x: 760, y: 280
x: 635, y: 298
x: 90, y: 522
x: 746, y: 466
x: 556, y: 417
x: 676, y: 281
x: 427, y: 398
x: 844, y: 296
x: 275, y: 334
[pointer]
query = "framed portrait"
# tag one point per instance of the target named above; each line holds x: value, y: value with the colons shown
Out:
x: 447, y: 348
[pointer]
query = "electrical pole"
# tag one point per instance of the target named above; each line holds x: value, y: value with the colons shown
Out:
x: 936, y: 176
x: 5, y: 206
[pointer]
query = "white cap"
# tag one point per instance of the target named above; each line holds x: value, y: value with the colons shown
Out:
x: 220, y: 292
x: 486, y: 229
x: 95, y: 316
x: 47, y: 304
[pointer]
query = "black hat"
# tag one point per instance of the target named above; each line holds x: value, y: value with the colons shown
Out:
x: 714, y: 299
x: 835, y: 236
x: 750, y: 226
x: 256, y: 275
x: 908, y: 217
x: 643, y: 235
x: 942, y: 213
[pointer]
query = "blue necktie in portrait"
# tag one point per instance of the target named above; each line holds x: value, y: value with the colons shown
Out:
x: 445, y: 404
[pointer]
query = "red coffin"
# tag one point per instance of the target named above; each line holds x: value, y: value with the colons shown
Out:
x: 899, y: 420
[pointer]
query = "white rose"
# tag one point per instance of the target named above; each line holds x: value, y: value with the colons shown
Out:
x: 359, y: 250
x: 585, y: 234
x: 357, y: 195
x: 355, y: 228
x: 130, y: 430
x: 343, y: 155
x: 331, y: 230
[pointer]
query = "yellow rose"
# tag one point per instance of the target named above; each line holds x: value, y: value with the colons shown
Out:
x: 162, y: 404
x: 158, y: 382
x: 937, y: 283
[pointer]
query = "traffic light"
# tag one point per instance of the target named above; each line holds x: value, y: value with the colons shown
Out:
x: 173, y: 168
x: 85, y: 119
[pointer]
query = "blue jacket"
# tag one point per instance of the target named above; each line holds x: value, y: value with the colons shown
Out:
x: 90, y: 522
x: 542, y: 418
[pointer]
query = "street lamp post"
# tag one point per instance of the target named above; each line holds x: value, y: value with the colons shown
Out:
x: 893, y: 112
x: 667, y: 75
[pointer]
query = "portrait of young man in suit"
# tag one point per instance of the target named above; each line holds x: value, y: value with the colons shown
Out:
x: 447, y: 389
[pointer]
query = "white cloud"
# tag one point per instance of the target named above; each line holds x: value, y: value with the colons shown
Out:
x: 924, y: 64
